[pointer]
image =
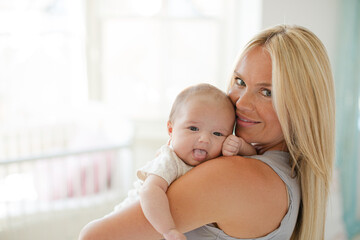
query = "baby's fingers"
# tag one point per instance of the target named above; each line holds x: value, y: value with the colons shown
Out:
x: 229, y: 150
x: 233, y: 140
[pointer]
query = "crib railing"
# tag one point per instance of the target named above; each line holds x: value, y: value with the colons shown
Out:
x: 38, y: 186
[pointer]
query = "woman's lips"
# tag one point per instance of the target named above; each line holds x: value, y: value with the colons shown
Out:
x: 245, y: 122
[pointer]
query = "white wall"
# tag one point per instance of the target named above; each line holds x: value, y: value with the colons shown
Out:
x: 320, y: 16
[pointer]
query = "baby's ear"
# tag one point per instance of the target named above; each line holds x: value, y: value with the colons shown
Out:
x: 169, y: 128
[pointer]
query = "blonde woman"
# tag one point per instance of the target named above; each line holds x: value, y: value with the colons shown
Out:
x: 283, y: 93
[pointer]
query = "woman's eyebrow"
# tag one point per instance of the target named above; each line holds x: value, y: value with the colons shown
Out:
x: 237, y: 74
x: 264, y: 84
x: 261, y: 84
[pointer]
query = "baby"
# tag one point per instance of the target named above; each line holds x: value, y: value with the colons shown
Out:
x: 200, y: 127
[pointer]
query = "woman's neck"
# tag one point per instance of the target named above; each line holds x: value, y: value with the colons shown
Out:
x: 261, y: 148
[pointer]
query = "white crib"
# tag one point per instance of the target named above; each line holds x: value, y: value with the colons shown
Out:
x: 53, y: 192
x: 50, y: 188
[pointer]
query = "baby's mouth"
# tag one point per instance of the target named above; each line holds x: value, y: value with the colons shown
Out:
x: 199, y: 154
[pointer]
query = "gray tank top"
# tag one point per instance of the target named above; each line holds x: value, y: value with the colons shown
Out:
x: 279, y: 162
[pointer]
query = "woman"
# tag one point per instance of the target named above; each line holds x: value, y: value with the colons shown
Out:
x: 282, y: 88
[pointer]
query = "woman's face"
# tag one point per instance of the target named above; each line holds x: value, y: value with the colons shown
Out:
x: 256, y: 120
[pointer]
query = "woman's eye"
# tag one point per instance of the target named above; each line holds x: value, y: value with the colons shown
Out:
x: 240, y: 82
x: 192, y: 128
x: 266, y: 92
x: 219, y: 134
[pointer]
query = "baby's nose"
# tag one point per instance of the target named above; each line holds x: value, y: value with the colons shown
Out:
x: 204, y: 138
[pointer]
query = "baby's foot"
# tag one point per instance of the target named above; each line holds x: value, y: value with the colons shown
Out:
x: 174, y: 234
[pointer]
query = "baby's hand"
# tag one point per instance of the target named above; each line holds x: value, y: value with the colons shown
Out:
x: 174, y: 234
x: 234, y: 145
x: 231, y: 145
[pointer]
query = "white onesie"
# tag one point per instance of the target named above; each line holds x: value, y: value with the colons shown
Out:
x: 166, y: 165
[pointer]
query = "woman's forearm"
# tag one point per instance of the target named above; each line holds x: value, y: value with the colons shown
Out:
x: 126, y: 224
x: 190, y: 206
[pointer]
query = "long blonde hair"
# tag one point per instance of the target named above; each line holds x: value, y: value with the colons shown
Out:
x: 304, y: 100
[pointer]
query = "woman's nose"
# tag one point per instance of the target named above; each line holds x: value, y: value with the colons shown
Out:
x: 245, y: 102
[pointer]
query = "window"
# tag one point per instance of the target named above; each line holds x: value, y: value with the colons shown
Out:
x: 75, y: 74
x: 42, y: 58
x: 144, y: 52
x: 75, y: 71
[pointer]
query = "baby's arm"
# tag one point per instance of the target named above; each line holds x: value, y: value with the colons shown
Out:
x: 155, y: 206
x: 234, y: 145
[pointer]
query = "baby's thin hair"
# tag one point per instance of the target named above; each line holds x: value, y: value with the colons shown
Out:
x: 196, y: 90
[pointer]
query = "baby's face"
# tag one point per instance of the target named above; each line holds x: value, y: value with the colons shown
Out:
x: 200, y: 128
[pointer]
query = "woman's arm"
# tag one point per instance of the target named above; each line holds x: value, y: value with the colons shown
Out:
x: 229, y: 191
x: 128, y: 223
x: 189, y: 206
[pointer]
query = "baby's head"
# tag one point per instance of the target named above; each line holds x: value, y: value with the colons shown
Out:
x: 201, y: 117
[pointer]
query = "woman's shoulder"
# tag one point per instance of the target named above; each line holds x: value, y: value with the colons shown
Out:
x: 250, y: 198
x: 238, y: 169
x: 248, y: 176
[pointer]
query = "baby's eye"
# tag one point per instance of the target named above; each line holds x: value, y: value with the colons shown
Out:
x: 266, y: 92
x: 219, y: 134
x: 240, y: 82
x: 192, y: 128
